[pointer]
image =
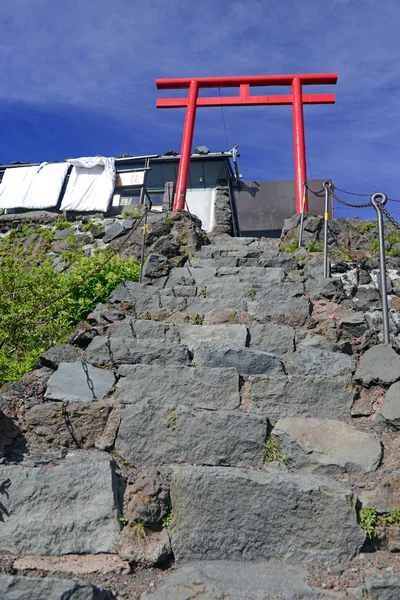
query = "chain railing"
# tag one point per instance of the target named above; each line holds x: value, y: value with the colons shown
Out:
x: 377, y: 201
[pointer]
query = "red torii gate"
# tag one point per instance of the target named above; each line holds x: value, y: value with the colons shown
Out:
x: 297, y: 99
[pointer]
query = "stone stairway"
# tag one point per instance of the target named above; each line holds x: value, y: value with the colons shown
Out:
x: 204, y: 415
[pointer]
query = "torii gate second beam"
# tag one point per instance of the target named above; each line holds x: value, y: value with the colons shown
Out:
x: 297, y: 99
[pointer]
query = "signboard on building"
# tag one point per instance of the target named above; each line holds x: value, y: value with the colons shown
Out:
x: 130, y: 179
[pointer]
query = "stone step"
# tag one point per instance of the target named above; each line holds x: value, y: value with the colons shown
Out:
x: 265, y: 260
x: 114, y: 351
x: 224, y: 513
x: 49, y: 588
x: 275, y: 580
x: 316, y: 383
x: 165, y: 433
x: 67, y: 506
x: 209, y: 389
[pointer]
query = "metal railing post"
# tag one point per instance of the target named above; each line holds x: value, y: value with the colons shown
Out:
x: 327, y: 187
x: 146, y: 210
x: 302, y: 215
x: 382, y: 263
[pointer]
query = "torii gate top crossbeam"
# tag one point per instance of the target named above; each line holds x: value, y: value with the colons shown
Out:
x: 254, y: 80
x: 296, y: 99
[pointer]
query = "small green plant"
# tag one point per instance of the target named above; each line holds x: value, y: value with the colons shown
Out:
x: 198, y: 320
x: 86, y: 226
x: 251, y: 294
x: 315, y: 246
x: 167, y: 520
x: 71, y: 238
x: 124, y: 520
x: 193, y: 364
x: 169, y: 221
x: 368, y: 519
x: 274, y: 450
x: 61, y: 225
x: 289, y: 246
x: 373, y: 246
x: 203, y: 292
x: 368, y: 226
x: 394, y: 252
x: 134, y: 213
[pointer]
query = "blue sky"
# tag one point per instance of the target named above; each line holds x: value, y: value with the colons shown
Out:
x: 77, y: 78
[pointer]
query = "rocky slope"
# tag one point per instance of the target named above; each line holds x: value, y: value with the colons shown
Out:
x: 216, y: 431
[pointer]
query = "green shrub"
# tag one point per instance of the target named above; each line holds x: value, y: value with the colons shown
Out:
x: 29, y: 298
x: 368, y: 226
x: 316, y: 246
x: 62, y: 225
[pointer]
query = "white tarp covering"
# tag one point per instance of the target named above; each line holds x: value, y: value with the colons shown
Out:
x: 201, y: 203
x: 32, y: 187
x: 91, y: 184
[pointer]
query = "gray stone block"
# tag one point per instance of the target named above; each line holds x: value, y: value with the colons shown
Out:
x: 328, y: 445
x: 49, y: 588
x: 294, y: 395
x: 390, y: 411
x: 355, y: 323
x: 161, y: 434
x: 142, y: 330
x: 211, y: 389
x: 277, y: 339
x: 79, y: 382
x: 113, y: 231
x: 385, y: 498
x: 66, y: 353
x: 194, y: 336
x: 117, y: 351
x: 239, y: 514
x: 262, y: 277
x: 317, y: 383
x: 235, y: 580
x: 202, y: 305
x: 383, y: 589
x: 379, y: 365
x: 64, y: 508
x: 284, y: 303
x: 245, y: 360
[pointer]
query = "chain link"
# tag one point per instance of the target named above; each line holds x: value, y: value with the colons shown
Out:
x: 349, y: 204
x: 319, y: 194
x: 352, y: 193
x: 41, y: 307
x: 388, y: 216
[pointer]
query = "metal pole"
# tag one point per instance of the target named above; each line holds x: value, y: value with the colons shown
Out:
x: 299, y: 144
x: 382, y: 261
x: 146, y: 210
x: 327, y: 265
x: 186, y: 149
x: 302, y: 215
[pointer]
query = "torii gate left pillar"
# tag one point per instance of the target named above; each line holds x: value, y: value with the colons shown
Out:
x: 297, y: 99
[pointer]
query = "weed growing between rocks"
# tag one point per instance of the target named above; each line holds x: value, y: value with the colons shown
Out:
x: 370, y: 521
x: 32, y: 321
x: 274, y: 450
x: 289, y: 246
